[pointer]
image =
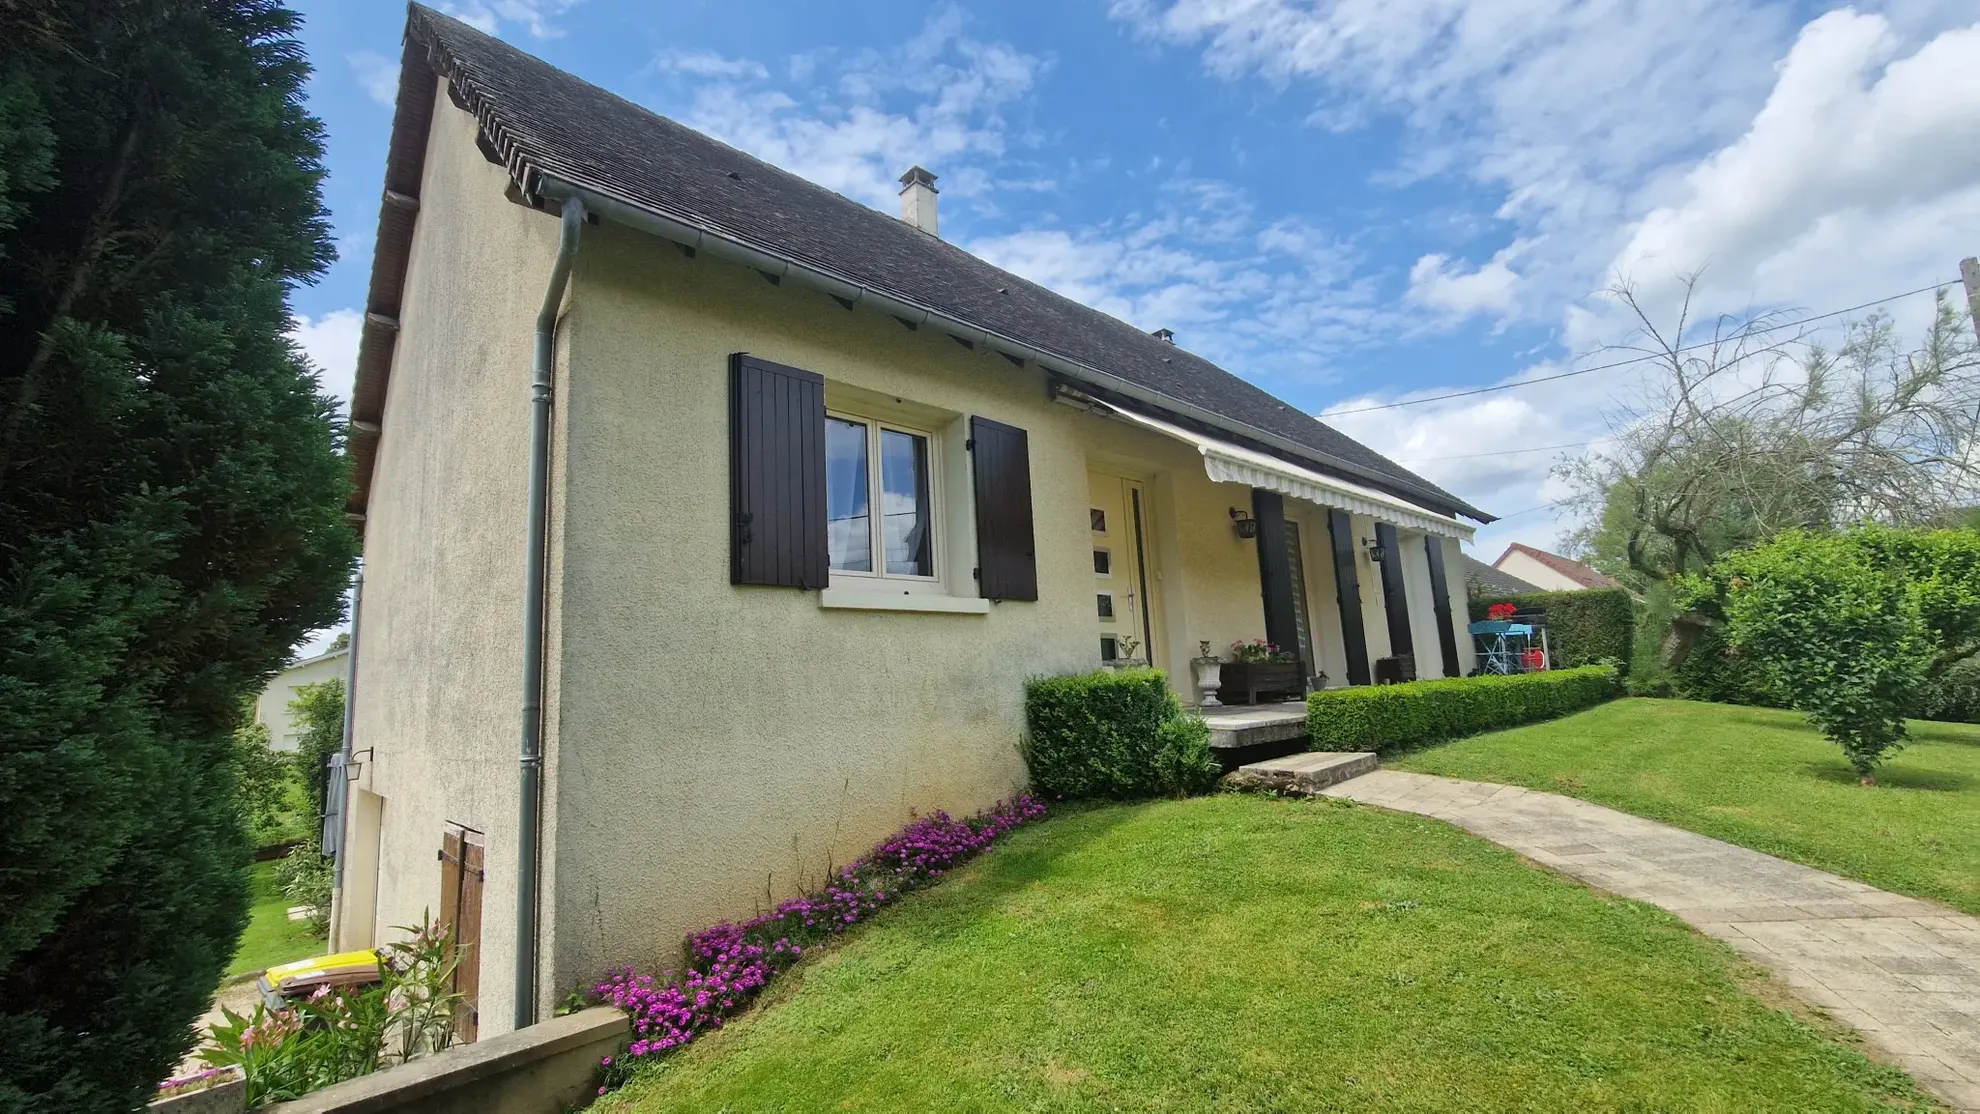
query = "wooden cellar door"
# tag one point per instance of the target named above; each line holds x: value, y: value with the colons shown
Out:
x: 461, y: 878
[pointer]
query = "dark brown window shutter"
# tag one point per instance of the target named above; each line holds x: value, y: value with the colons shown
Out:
x: 1347, y: 592
x: 1440, y: 592
x: 1006, y: 557
x: 1395, y: 598
x: 776, y: 475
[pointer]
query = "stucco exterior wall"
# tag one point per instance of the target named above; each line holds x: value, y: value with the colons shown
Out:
x: 1422, y: 608
x: 439, y: 660
x: 1467, y: 647
x: 271, y: 708
x: 1536, y: 573
x: 718, y: 746
x: 1205, y: 576
x: 1322, y: 598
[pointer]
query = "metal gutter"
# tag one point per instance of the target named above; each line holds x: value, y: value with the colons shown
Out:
x: 849, y: 294
x: 541, y: 369
x: 343, y: 786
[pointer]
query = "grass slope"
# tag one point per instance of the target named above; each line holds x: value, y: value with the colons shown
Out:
x: 271, y: 937
x: 1760, y: 778
x: 1246, y: 954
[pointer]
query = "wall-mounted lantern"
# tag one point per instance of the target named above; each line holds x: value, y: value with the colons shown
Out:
x: 1247, y: 526
x: 1377, y: 552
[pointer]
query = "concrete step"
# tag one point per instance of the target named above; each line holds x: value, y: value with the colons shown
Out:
x: 1305, y: 774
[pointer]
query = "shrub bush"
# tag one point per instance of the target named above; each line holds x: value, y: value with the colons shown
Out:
x: 1113, y: 735
x: 1952, y: 696
x: 1839, y: 627
x: 307, y: 878
x: 1713, y: 672
x: 1386, y: 718
x: 1583, y: 628
x: 1183, y: 762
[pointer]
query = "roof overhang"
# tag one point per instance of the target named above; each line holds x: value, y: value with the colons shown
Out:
x: 1225, y: 462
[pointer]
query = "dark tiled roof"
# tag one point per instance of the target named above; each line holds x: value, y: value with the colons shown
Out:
x: 546, y: 124
x: 1574, y: 570
x: 1483, y: 579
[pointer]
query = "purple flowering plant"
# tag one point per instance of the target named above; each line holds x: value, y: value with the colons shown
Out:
x: 728, y: 965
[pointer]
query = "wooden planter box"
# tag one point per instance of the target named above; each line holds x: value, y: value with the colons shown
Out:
x: 1244, y: 681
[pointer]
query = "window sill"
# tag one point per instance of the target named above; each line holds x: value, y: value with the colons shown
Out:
x: 866, y: 600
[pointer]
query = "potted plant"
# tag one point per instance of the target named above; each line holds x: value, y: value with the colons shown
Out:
x: 1209, y: 674
x: 1261, y: 667
x: 1124, y: 655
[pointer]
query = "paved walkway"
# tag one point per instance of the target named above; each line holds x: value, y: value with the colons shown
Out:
x: 1904, y: 972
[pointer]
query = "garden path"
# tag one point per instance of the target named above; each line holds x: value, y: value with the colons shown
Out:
x: 1904, y: 972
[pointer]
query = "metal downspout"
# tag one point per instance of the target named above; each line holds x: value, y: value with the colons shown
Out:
x: 350, y: 708
x: 533, y: 606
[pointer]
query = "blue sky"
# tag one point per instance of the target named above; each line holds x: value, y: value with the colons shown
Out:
x: 1353, y: 204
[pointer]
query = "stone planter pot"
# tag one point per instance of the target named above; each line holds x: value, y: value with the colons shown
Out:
x: 1250, y: 679
x: 1209, y: 678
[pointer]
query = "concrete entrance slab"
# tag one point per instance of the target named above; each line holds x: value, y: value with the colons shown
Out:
x: 1303, y: 773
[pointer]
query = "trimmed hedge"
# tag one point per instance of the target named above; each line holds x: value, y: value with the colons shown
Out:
x: 1114, y: 735
x: 1583, y: 628
x: 1386, y: 718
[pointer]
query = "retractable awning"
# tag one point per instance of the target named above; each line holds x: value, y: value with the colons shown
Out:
x: 1228, y: 463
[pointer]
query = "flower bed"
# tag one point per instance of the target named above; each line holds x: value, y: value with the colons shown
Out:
x: 729, y: 964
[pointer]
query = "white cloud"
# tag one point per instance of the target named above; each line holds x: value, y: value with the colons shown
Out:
x: 853, y: 122
x: 490, y: 15
x: 707, y: 63
x: 1276, y: 301
x: 331, y: 343
x: 376, y: 74
x: 1858, y: 177
x: 1567, y: 108
x: 1437, y: 282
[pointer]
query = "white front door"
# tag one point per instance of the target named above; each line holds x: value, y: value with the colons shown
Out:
x: 1125, y: 613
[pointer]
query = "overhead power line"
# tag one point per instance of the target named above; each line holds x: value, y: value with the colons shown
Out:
x: 1505, y: 452
x: 1528, y: 510
x: 1628, y: 362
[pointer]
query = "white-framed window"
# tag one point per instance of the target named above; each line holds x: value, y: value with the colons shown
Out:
x: 881, y: 495
x: 1103, y: 561
x: 1105, y: 605
x: 1097, y: 517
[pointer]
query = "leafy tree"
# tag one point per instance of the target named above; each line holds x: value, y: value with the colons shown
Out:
x: 171, y: 508
x: 265, y: 783
x: 319, y: 710
x: 1849, y: 627
x: 1751, y: 430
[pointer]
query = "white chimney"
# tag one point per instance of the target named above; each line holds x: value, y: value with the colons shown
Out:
x: 918, y: 200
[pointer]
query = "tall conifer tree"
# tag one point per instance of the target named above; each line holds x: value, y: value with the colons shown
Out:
x: 171, y: 508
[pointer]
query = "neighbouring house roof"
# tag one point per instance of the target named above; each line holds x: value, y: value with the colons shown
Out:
x: 1481, y: 578
x: 324, y: 656
x: 1574, y: 570
x: 558, y: 135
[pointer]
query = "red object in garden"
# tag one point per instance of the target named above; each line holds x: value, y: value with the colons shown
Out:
x: 1536, y: 660
x: 1500, y: 612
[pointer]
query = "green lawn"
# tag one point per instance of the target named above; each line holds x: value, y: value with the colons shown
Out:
x: 1760, y: 778
x: 271, y: 937
x: 1239, y: 953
